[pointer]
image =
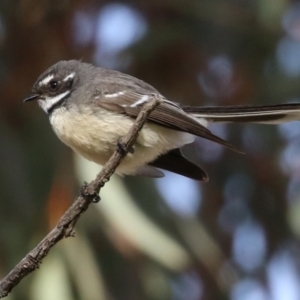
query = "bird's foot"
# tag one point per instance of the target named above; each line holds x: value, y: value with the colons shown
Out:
x: 88, y: 192
x: 122, y: 148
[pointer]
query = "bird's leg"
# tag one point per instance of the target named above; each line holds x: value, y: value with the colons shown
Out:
x: 122, y: 147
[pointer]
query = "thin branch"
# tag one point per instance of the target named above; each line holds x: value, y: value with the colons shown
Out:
x: 89, y: 194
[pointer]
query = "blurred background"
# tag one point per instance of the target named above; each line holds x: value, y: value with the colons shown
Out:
x: 235, y: 237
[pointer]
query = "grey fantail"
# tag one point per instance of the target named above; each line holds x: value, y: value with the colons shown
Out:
x: 91, y: 108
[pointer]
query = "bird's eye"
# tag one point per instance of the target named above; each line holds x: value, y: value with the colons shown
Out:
x: 53, y: 84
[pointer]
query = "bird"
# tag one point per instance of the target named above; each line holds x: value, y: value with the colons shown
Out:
x: 91, y: 108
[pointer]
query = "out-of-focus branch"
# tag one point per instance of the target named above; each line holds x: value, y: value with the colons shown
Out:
x: 89, y: 193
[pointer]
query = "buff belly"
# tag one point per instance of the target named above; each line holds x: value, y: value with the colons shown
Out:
x: 95, y: 137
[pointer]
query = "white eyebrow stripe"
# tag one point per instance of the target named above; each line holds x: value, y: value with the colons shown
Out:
x: 46, y: 80
x: 70, y: 76
x: 114, y: 95
x: 144, y: 99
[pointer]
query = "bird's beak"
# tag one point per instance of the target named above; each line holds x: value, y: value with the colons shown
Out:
x: 31, y: 97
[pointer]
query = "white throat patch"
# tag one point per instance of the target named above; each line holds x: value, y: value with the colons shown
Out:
x: 47, y: 103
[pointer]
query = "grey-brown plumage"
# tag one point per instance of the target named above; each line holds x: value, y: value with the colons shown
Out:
x: 90, y: 108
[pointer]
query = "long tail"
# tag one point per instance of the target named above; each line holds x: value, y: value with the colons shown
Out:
x: 266, y: 114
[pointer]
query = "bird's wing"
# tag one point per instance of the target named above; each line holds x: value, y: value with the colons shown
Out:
x: 267, y: 114
x: 167, y: 114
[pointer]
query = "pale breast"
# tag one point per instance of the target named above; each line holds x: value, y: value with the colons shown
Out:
x: 95, y: 137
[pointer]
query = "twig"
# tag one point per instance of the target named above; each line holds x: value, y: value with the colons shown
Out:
x: 89, y: 194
